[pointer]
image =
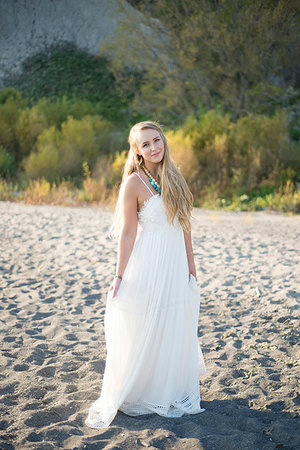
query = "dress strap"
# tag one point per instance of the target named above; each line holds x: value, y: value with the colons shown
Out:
x: 144, y: 183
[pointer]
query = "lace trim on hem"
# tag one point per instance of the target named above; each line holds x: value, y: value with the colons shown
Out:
x: 96, y: 425
x: 190, y: 404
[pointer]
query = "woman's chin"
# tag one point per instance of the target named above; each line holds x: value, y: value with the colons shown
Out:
x: 158, y: 158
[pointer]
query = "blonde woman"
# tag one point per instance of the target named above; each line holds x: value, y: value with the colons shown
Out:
x: 151, y: 320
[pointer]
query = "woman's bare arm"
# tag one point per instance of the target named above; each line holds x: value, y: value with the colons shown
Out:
x: 189, y: 251
x: 128, y: 204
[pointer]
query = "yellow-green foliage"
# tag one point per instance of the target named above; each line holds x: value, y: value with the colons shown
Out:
x: 285, y: 199
x: 41, y: 191
x: 212, y: 124
x: 31, y: 123
x: 53, y: 137
x: 260, y: 148
x: 107, y: 174
x: 181, y: 149
x: 119, y: 163
x: 11, y: 106
x: 38, y: 191
x: 7, y: 190
x: 94, y: 190
x: 62, y: 152
x: 7, y: 161
x: 250, y: 164
x: 109, y: 168
x: 46, y: 160
x: 210, y: 145
x: 252, y: 153
x: 56, y: 111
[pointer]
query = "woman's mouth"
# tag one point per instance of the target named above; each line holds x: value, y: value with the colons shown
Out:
x: 155, y: 154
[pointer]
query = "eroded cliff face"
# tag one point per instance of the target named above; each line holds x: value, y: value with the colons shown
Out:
x: 28, y: 26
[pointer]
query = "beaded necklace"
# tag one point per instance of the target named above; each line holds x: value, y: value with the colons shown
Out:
x: 152, y: 180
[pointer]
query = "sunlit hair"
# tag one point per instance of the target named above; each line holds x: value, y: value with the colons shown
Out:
x: 176, y: 195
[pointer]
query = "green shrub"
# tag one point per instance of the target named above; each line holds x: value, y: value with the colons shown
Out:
x: 7, y: 162
x: 259, y: 145
x: 211, y: 124
x: 236, y: 158
x: 46, y: 160
x: 57, y: 110
x: 11, y: 106
x: 64, y: 70
x: 40, y: 191
x: 210, y: 145
x: 181, y: 148
x: 7, y: 190
x: 12, y: 95
x: 61, y: 153
x: 31, y: 123
x: 108, y: 169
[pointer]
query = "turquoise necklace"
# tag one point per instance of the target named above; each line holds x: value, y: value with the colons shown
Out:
x: 152, y: 180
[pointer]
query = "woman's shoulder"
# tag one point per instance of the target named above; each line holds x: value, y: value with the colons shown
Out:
x: 131, y: 182
x: 134, y: 177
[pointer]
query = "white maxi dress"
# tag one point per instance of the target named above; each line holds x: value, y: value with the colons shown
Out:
x: 153, y: 359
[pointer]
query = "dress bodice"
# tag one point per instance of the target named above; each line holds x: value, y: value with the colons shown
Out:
x: 152, y: 216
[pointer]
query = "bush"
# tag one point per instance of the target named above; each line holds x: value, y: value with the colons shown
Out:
x: 31, y: 123
x: 64, y: 70
x: 57, y: 110
x: 118, y: 165
x: 7, y: 162
x: 286, y: 199
x: 259, y: 145
x: 46, y: 160
x: 210, y: 146
x: 12, y: 95
x: 60, y: 153
x: 108, y: 168
x: 8, y: 191
x: 238, y: 158
x: 211, y: 124
x: 11, y: 106
x: 181, y: 149
x: 41, y: 191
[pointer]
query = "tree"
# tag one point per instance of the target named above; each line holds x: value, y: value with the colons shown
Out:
x: 193, y: 52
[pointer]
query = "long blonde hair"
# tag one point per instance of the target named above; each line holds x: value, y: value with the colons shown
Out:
x: 176, y: 195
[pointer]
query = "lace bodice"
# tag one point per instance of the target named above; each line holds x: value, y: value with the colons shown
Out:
x: 152, y: 216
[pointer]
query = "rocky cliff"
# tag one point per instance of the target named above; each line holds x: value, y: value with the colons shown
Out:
x: 28, y: 26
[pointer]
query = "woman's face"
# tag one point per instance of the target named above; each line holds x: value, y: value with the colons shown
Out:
x: 150, y: 145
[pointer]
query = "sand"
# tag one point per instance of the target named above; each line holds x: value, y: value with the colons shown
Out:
x: 56, y: 265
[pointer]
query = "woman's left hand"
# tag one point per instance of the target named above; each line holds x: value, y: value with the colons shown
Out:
x: 191, y: 263
x: 192, y: 270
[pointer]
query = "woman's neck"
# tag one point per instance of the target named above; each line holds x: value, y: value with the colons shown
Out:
x: 153, y: 168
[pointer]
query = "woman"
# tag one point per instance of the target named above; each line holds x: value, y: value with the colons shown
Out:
x: 151, y: 320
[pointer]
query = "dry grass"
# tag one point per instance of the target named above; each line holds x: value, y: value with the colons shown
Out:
x: 95, y: 191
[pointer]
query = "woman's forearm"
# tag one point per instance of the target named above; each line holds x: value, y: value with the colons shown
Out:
x: 125, y: 246
x: 189, y: 250
x: 188, y: 243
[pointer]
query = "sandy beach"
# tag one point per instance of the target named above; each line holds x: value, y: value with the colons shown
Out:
x: 56, y: 266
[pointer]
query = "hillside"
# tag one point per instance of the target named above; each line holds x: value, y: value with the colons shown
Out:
x: 27, y: 27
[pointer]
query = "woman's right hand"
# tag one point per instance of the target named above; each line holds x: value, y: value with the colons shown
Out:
x: 115, y: 286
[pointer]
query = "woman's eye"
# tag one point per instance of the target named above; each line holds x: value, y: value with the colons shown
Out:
x: 145, y: 145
